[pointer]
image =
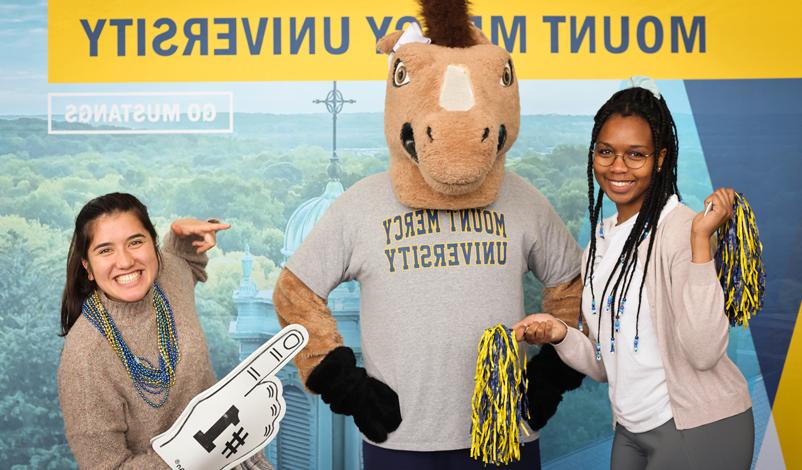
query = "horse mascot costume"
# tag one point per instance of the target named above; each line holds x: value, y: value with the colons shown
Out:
x: 439, y: 245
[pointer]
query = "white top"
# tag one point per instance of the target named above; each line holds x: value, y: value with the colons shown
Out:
x: 637, y: 380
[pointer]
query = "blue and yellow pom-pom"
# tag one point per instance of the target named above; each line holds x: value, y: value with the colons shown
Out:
x: 739, y: 264
x: 499, y: 403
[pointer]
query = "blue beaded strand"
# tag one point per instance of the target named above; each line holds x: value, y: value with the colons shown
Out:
x: 147, y: 379
x: 619, y: 313
x: 601, y: 222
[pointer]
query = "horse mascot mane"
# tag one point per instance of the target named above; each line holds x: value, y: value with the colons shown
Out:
x: 439, y: 245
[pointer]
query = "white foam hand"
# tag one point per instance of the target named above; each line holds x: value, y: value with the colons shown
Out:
x: 236, y: 417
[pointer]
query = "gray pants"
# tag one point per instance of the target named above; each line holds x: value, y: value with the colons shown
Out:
x: 725, y: 444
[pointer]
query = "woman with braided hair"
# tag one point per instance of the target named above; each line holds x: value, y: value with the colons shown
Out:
x: 652, y: 306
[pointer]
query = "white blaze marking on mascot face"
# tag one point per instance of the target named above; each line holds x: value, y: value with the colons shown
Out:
x: 456, y: 94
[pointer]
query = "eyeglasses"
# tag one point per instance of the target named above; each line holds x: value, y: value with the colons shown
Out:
x: 633, y: 159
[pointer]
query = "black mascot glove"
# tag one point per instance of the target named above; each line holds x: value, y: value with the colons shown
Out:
x: 549, y: 377
x: 350, y: 391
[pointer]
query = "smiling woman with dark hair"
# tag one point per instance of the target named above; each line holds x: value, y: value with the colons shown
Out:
x: 652, y: 301
x: 135, y: 353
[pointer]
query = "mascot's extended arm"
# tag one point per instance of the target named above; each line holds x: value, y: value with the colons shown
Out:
x: 328, y: 368
x: 549, y: 377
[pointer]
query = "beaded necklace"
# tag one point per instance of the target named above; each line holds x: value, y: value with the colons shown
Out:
x: 147, y: 378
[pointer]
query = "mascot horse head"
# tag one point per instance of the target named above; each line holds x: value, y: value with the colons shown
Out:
x: 451, y: 110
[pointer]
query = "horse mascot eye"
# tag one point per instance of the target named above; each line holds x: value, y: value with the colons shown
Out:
x: 400, y: 75
x: 506, y: 76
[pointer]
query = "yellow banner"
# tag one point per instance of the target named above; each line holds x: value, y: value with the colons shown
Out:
x: 787, y: 411
x: 255, y: 40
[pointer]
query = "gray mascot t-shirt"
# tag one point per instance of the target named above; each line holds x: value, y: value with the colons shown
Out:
x: 431, y: 282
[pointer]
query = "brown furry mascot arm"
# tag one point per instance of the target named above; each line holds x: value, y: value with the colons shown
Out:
x: 296, y: 303
x: 549, y: 377
x: 328, y: 368
x: 564, y: 301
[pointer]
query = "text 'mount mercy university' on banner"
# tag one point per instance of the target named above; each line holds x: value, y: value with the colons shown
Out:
x: 250, y: 40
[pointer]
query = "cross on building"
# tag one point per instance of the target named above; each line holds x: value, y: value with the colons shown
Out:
x: 334, y: 104
x: 311, y: 436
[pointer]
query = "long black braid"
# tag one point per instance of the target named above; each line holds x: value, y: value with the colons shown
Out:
x: 643, y: 103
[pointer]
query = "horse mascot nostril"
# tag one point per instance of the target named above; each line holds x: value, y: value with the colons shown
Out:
x: 439, y: 245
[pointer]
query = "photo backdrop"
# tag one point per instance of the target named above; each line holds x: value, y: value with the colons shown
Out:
x: 218, y: 110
